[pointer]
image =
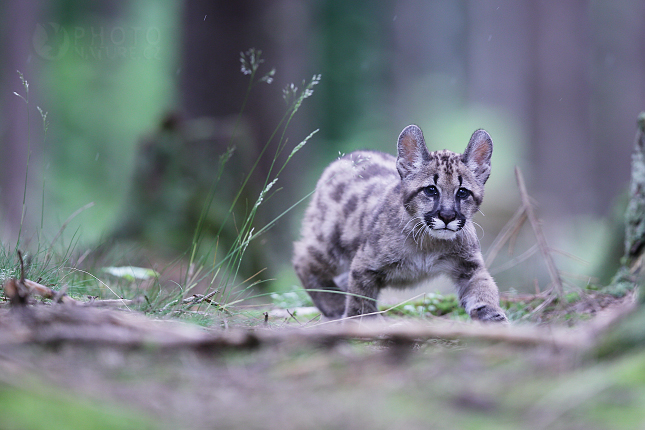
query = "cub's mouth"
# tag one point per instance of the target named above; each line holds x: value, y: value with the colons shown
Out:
x: 444, y: 225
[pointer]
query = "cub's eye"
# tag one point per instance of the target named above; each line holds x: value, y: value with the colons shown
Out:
x: 462, y: 193
x: 431, y: 191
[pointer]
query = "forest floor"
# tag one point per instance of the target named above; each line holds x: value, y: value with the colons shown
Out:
x: 65, y: 366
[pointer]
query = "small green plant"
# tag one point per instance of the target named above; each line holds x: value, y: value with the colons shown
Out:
x: 131, y: 273
x: 296, y: 298
x: 432, y: 304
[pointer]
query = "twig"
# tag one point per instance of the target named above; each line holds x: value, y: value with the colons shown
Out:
x: 48, y: 293
x: 538, y: 309
x: 518, y: 298
x: 515, y: 261
x: 508, y: 231
x: 19, y: 290
x: 196, y: 299
x: 539, y: 235
x: 22, y: 266
x: 293, y: 316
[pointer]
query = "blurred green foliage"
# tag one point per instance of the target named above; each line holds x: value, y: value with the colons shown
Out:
x: 41, y: 407
x: 101, y: 100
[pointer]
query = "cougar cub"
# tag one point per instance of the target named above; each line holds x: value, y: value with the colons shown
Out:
x: 377, y: 221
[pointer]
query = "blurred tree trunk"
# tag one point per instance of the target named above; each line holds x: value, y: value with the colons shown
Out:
x: 534, y: 65
x: 211, y: 85
x: 17, y: 21
x: 630, y: 273
x: 214, y: 35
x: 429, y: 41
x: 618, y: 80
x: 635, y: 216
x: 562, y: 70
x: 499, y: 69
x: 560, y: 128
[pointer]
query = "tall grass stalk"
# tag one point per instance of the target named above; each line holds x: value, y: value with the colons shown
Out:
x: 43, y: 115
x: 250, y: 63
x: 25, y: 98
x: 246, y: 234
x: 230, y: 263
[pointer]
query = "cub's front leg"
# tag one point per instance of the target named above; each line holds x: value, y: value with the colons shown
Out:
x: 478, y: 293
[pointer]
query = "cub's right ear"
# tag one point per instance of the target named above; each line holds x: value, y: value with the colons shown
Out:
x: 412, y: 151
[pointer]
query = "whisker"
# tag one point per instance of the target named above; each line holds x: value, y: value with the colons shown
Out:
x: 426, y: 233
x: 406, y: 224
x: 410, y: 232
x: 420, y: 227
x: 482, y: 229
x: 415, y: 235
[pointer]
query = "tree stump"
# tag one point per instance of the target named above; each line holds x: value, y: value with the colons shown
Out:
x: 629, y: 274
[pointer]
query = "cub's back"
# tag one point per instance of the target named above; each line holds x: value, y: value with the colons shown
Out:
x: 346, y: 196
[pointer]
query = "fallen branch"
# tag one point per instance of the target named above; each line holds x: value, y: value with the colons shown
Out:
x: 23, y: 288
x: 89, y: 326
x: 17, y: 290
x: 48, y: 293
x: 196, y: 299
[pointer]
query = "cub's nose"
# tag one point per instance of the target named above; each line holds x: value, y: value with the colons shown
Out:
x: 447, y: 215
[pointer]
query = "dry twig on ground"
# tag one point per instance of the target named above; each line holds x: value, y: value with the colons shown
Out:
x: 509, y: 233
x: 539, y: 235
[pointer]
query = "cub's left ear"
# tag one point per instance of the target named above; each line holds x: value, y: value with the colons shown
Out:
x: 477, y: 155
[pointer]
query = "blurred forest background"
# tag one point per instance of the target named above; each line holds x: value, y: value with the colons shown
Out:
x: 142, y: 97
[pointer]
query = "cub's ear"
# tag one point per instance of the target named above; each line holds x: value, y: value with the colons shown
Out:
x: 412, y: 151
x: 477, y: 155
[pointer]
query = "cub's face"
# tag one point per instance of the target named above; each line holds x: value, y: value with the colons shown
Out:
x: 442, y: 190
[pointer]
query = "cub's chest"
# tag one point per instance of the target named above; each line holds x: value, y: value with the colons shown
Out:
x: 415, y: 267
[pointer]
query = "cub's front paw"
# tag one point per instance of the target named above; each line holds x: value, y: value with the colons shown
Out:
x: 489, y: 314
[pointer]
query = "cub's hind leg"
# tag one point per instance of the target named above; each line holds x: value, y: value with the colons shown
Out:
x: 326, y: 295
x: 318, y: 280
